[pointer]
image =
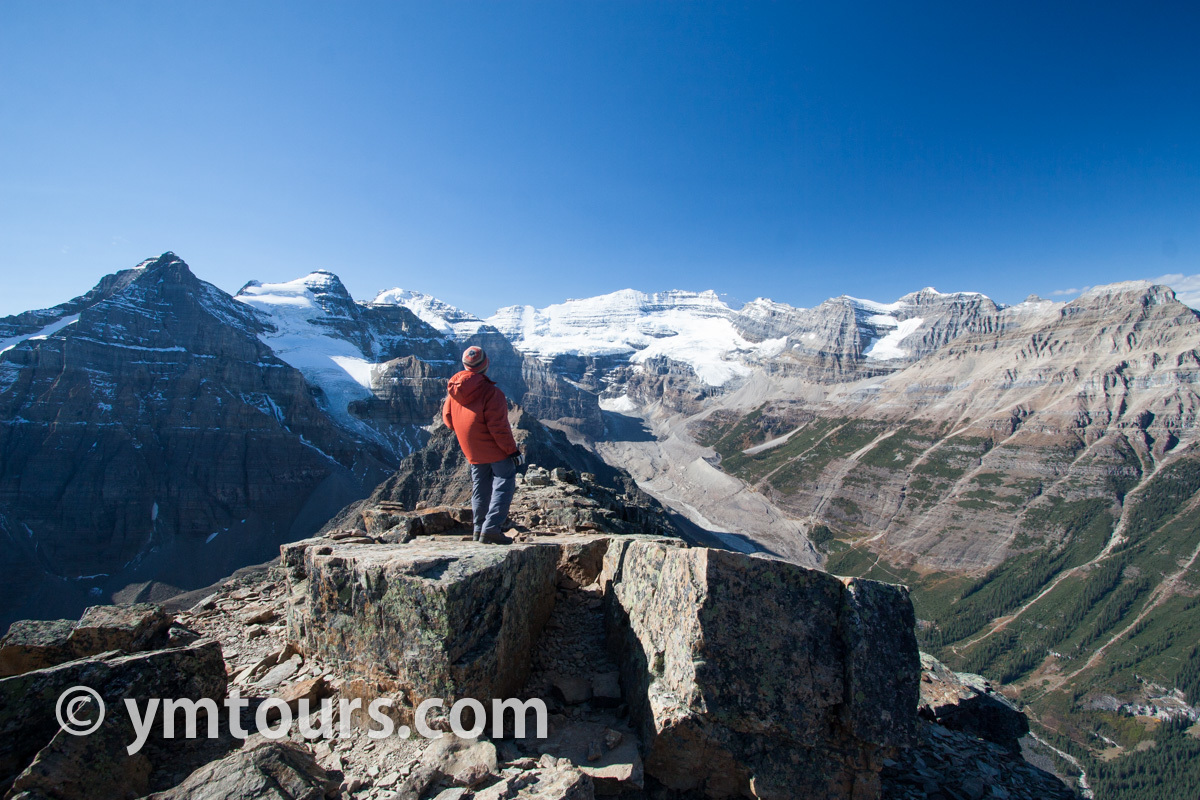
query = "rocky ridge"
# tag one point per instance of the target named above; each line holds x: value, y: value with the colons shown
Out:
x: 668, y: 672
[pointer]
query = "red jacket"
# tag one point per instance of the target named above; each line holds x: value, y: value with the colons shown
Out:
x: 477, y: 411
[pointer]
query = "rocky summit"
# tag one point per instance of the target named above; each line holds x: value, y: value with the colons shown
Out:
x: 667, y: 671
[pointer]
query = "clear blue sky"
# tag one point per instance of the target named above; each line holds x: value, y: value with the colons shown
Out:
x: 497, y: 153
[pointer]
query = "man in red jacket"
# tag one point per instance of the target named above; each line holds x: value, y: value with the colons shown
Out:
x: 477, y: 411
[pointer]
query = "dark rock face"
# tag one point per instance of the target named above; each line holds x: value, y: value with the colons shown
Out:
x: 28, y: 723
x: 33, y: 644
x: 755, y: 676
x: 276, y: 770
x: 967, y: 703
x: 956, y: 764
x: 153, y: 423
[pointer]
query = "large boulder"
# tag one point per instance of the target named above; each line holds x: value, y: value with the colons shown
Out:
x: 450, y: 761
x: 36, y: 756
x: 964, y: 702
x: 550, y: 783
x: 131, y: 628
x: 265, y: 770
x: 433, y: 618
x: 754, y: 676
x: 36, y: 644
x: 438, y: 619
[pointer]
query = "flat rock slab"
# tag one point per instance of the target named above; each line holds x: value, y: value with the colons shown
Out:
x: 610, y: 757
x: 558, y: 783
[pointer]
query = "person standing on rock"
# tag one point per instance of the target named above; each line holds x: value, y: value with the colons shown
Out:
x: 477, y: 411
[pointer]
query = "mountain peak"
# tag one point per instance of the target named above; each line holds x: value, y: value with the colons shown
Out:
x: 442, y: 317
x: 322, y: 281
x: 1126, y: 294
x: 167, y: 267
x: 165, y: 260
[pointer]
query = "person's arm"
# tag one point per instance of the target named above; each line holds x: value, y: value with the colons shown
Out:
x: 496, y: 416
x: 446, y: 418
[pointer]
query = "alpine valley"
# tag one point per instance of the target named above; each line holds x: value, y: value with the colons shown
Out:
x: 1031, y: 472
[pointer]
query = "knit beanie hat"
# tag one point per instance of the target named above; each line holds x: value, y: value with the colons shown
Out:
x: 475, y: 359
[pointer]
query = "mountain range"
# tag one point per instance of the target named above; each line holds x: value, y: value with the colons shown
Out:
x: 1030, y: 471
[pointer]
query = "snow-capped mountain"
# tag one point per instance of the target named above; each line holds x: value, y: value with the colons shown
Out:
x: 442, y: 317
x: 601, y: 341
x: 381, y: 366
x: 158, y: 428
x: 696, y: 329
x: 147, y: 431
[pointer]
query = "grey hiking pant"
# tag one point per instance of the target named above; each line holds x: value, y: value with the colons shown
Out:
x: 492, y: 487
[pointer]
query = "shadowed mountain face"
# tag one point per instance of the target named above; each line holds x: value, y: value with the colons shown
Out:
x: 157, y: 429
x: 156, y: 436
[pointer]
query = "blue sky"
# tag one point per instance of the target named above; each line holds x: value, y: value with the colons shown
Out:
x: 501, y: 153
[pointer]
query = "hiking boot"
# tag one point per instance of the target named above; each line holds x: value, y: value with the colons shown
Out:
x: 478, y: 536
x: 496, y: 538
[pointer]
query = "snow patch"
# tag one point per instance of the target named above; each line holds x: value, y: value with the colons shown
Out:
x: 621, y: 405
x: 44, y: 333
x: 329, y: 362
x: 888, y: 347
x: 878, y: 308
